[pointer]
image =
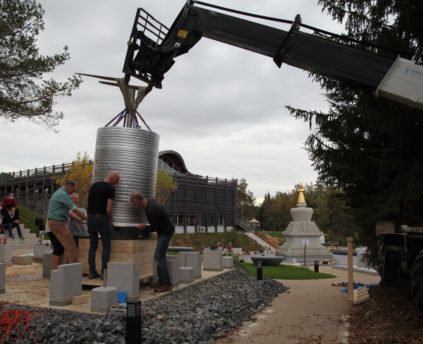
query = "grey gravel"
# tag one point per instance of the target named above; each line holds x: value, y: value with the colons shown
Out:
x: 193, y: 315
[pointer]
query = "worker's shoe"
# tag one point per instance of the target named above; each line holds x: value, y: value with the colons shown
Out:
x: 93, y: 275
x: 162, y: 288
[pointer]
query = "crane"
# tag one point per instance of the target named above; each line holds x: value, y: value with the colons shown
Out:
x: 153, y: 47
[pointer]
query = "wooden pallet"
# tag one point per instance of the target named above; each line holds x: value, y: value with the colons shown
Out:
x: 360, y: 295
x: 140, y: 252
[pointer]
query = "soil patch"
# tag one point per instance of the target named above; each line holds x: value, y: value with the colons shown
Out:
x: 389, y: 317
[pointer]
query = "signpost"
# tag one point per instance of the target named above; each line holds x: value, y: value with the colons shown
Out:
x: 306, y: 242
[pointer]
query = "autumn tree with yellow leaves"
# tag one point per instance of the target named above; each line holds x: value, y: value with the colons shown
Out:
x: 81, y: 173
x: 165, y: 185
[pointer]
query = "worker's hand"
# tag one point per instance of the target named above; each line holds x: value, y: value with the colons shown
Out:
x: 141, y: 227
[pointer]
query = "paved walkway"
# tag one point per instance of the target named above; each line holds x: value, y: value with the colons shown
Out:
x: 310, y: 312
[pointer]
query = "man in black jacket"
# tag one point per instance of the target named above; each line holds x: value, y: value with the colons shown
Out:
x: 159, y: 221
x: 11, y: 220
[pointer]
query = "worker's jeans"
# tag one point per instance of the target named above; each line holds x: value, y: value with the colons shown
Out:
x: 163, y: 241
x: 98, y: 225
x: 10, y: 226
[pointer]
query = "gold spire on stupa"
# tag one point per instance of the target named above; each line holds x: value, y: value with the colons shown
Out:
x: 301, y: 199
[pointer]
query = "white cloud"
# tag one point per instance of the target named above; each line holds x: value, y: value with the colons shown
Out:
x: 221, y: 107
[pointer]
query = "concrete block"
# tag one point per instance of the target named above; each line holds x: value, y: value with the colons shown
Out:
x: 212, y: 260
x: 186, y: 274
x: 103, y: 298
x: 228, y: 262
x: 22, y: 260
x: 6, y: 254
x: 47, y: 264
x: 124, y: 277
x: 173, y: 265
x: 173, y: 268
x: 39, y: 251
x: 66, y: 282
x: 193, y: 259
x: 2, y: 278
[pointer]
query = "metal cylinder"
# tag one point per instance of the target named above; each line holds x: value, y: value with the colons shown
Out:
x: 132, y: 152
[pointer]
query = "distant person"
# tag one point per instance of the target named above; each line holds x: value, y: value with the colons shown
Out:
x: 77, y: 224
x: 9, y: 199
x: 11, y: 220
x: 58, y: 216
x: 100, y: 208
x: 159, y: 222
x: 229, y: 247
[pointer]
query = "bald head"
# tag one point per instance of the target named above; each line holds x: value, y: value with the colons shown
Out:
x: 112, y: 178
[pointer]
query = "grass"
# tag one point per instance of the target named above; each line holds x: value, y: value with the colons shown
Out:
x: 201, y: 240
x: 286, y: 272
x: 27, y: 217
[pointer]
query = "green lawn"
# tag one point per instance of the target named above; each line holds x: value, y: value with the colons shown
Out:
x: 286, y: 272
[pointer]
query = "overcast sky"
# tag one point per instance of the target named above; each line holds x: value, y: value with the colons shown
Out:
x: 222, y: 108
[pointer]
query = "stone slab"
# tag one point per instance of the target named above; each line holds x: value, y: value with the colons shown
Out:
x: 6, y: 254
x: 22, y: 260
x: 103, y: 298
x: 124, y: 277
x: 212, y: 260
x: 47, y: 264
x: 65, y: 283
x: 2, y: 278
x: 186, y: 274
x: 228, y: 262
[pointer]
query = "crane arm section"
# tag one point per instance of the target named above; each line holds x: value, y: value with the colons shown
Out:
x: 152, y: 47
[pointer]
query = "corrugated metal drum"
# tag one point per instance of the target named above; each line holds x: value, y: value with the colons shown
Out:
x: 132, y: 152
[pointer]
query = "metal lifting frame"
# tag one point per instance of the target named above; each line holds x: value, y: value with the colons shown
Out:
x: 149, y: 59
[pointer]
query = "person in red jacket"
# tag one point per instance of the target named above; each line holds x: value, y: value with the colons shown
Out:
x: 9, y: 199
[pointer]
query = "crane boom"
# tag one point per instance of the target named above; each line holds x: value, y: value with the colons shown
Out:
x: 153, y: 47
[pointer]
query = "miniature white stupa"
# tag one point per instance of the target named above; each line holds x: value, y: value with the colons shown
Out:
x: 303, y: 232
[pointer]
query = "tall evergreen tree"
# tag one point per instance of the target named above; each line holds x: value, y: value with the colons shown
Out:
x: 371, y: 148
x: 23, y: 91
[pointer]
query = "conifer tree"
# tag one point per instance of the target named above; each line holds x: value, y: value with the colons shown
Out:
x: 371, y: 148
x: 24, y: 92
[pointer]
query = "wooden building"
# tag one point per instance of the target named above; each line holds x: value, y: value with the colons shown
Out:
x: 199, y: 204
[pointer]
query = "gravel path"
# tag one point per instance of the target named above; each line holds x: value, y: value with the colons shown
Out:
x: 196, y: 314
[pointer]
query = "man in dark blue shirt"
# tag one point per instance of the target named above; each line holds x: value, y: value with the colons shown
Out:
x: 158, y: 221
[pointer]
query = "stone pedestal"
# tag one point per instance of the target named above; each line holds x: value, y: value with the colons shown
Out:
x: 186, y: 274
x: 212, y: 260
x: 139, y: 252
x: 192, y: 259
x: 228, y: 262
x: 66, y: 282
x: 103, y: 298
x: 124, y: 277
